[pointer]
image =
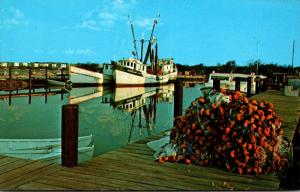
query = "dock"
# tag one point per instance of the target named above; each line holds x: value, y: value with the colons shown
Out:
x: 132, y: 167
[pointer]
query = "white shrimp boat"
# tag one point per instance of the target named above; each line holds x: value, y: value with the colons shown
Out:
x: 135, y: 72
x: 132, y: 72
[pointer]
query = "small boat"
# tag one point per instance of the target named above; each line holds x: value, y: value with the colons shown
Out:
x: 13, y: 145
x: 84, y: 154
x: 44, y: 149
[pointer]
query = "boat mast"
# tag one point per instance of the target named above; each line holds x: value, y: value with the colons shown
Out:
x: 135, y: 53
x: 150, y: 42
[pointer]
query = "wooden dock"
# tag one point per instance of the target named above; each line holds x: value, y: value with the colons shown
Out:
x: 132, y: 168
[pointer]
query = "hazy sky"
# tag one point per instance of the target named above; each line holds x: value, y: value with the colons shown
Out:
x: 190, y: 31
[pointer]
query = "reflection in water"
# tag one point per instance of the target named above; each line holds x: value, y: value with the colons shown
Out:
x: 110, y: 117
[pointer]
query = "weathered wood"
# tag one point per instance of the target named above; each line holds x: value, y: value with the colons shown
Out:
x: 216, y: 84
x: 26, y: 174
x: 178, y: 96
x: 40, y: 186
x: 249, y: 82
x: 69, y: 132
x: 237, y: 84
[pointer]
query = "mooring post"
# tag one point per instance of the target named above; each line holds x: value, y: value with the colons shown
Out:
x: 62, y: 74
x: 29, y: 76
x: 257, y: 87
x: 9, y: 77
x: 46, y: 95
x: 9, y: 98
x: 237, y: 84
x: 69, y: 135
x: 249, y: 82
x: 216, y: 84
x: 178, y: 96
x: 46, y: 73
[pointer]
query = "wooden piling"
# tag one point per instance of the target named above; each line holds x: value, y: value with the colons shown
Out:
x: 29, y: 95
x: 237, y: 84
x: 69, y: 135
x: 9, y: 78
x: 29, y: 77
x: 62, y: 74
x: 216, y: 84
x: 178, y: 96
x: 257, y: 87
x: 9, y: 98
x: 46, y: 73
x: 46, y: 95
x: 249, y: 79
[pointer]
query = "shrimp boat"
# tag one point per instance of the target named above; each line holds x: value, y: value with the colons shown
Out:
x: 136, y: 72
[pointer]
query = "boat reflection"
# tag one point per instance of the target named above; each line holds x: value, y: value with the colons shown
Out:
x: 141, y: 103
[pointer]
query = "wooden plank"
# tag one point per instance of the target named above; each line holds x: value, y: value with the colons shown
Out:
x: 18, y: 178
x: 40, y: 186
x: 117, y: 155
x: 159, y: 171
x: 66, y: 182
x: 6, y: 160
x: 155, y: 182
x: 213, y: 173
x: 13, y: 166
x: 109, y: 181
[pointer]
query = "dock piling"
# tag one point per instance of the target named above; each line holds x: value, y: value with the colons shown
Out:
x: 69, y: 135
x: 237, y: 84
x: 216, y: 84
x: 249, y: 82
x: 178, y: 94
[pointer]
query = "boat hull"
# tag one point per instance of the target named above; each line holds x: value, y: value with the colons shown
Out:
x: 79, y: 76
x: 136, y: 78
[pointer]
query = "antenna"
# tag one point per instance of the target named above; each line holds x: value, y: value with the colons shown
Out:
x: 293, y: 54
x: 135, y: 53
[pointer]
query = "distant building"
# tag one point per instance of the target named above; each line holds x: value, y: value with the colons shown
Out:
x: 24, y: 64
x: 44, y: 65
x: 16, y: 64
x: 53, y: 65
x: 63, y: 65
x: 4, y: 64
x: 187, y: 72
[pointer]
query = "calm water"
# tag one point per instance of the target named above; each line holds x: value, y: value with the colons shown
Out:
x: 114, y: 118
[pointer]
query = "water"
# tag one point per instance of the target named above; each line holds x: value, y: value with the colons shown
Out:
x: 113, y: 118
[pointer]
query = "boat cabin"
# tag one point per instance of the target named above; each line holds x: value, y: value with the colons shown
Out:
x: 167, y: 65
x: 133, y: 64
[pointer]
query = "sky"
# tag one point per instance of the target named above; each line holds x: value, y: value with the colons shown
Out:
x: 190, y: 31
